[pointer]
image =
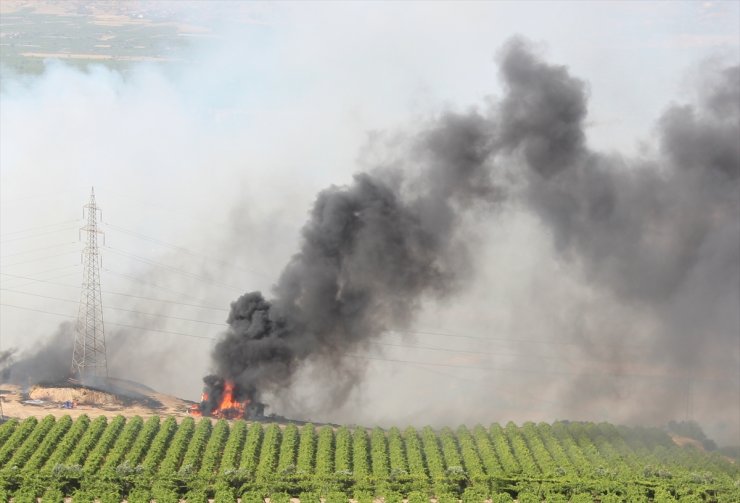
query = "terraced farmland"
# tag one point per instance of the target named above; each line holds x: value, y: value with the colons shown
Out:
x: 157, y: 458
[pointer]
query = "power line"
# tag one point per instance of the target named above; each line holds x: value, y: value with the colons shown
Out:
x: 171, y: 268
x: 131, y: 277
x: 182, y: 249
x: 38, y: 234
x: 385, y: 344
x: 53, y: 277
x: 43, y: 272
x: 221, y: 324
x: 47, y: 195
x: 171, y: 332
x: 38, y: 259
x: 33, y: 250
x: 398, y: 332
x: 201, y: 306
x: 38, y: 228
x: 408, y: 362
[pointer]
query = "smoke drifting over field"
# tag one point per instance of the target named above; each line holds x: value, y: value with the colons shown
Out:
x: 512, y: 256
x: 660, y: 231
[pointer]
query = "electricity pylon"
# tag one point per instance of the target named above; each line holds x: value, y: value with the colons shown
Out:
x: 88, y: 357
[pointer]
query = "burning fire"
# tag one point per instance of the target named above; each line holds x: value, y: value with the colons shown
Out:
x: 227, y: 408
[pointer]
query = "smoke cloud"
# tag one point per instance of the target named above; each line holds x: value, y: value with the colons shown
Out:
x: 48, y: 362
x: 661, y: 232
x: 658, y: 232
x: 521, y: 259
x: 370, y: 253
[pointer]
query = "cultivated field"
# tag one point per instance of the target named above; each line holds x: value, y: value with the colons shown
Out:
x: 111, y: 459
x: 82, y: 33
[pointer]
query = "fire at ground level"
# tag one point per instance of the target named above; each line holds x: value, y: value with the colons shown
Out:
x: 222, y: 399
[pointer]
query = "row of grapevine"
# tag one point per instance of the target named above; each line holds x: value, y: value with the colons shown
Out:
x: 214, y: 448
x: 269, y: 455
x: 288, y: 450
x: 32, y: 442
x: 49, y: 444
x: 143, y: 441
x: 234, y: 444
x: 116, y: 439
x: 194, y: 454
x: 379, y: 455
x: 325, y: 452
x: 176, y: 450
x: 158, y: 448
x: 108, y: 459
x: 67, y: 443
x: 306, y: 450
x: 90, y: 440
x: 251, y: 452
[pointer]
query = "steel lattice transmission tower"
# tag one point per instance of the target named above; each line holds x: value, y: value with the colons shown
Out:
x: 89, y: 358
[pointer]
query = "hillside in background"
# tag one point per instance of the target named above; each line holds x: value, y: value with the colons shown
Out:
x: 139, y: 459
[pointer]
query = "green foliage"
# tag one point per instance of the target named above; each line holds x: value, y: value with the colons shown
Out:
x: 446, y: 498
x: 53, y: 495
x: 280, y: 497
x: 214, y: 449
x: 501, y: 498
x: 362, y: 497
x: 196, y: 446
x: 163, y: 494
x: 82, y: 496
x: 324, y: 452
x: 336, y: 497
x: 392, y: 497
x: 159, y: 459
x: 196, y: 496
x: 173, y: 457
x: 306, y: 450
x: 418, y: 497
x: 138, y: 495
x: 251, y: 497
x: 310, y: 497
x: 581, y: 498
x: 474, y: 495
x: 528, y: 497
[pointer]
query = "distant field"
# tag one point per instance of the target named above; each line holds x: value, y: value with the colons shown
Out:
x: 137, y: 460
x: 81, y: 35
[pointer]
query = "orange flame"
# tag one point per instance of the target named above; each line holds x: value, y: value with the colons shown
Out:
x: 229, y: 408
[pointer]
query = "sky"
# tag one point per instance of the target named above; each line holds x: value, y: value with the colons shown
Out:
x: 206, y: 168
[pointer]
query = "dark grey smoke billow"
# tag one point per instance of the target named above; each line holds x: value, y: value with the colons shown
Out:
x: 661, y: 232
x: 370, y: 252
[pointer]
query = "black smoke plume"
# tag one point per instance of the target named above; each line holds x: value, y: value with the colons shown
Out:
x: 370, y: 252
x: 660, y: 231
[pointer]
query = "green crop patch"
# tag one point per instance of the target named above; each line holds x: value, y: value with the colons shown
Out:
x: 131, y: 459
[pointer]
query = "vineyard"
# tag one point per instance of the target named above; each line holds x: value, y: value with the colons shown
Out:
x: 138, y: 460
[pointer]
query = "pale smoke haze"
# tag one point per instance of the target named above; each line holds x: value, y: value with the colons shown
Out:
x: 494, y: 209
